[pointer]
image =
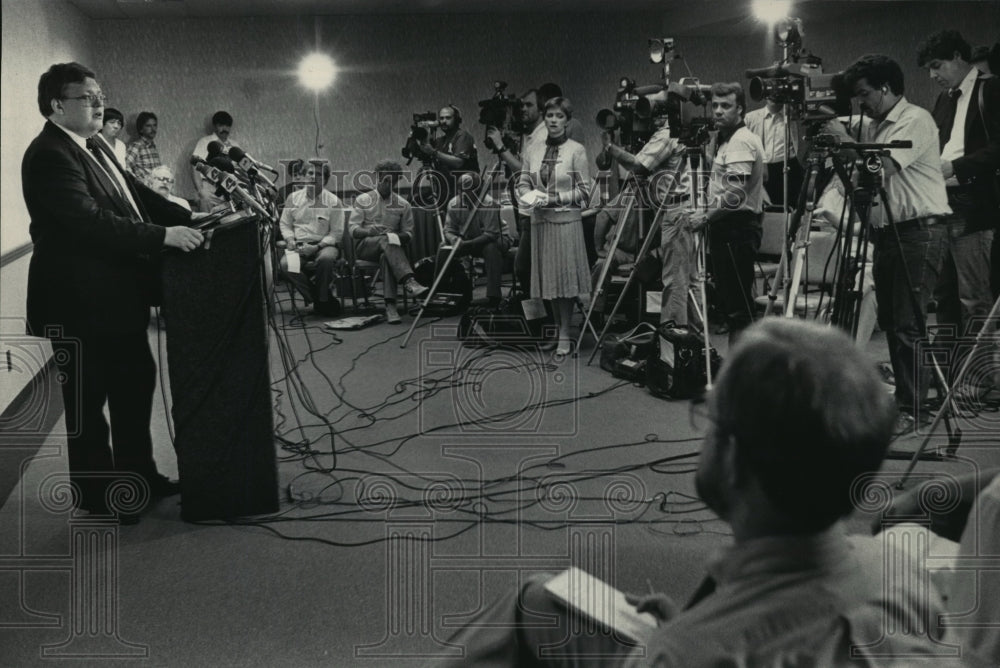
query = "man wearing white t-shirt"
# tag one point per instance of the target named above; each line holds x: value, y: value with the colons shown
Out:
x: 735, y: 204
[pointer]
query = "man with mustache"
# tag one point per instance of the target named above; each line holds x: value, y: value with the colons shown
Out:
x: 908, y: 248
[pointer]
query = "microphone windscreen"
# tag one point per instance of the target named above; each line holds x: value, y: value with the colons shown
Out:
x: 215, y: 148
x: 236, y: 154
x: 223, y: 163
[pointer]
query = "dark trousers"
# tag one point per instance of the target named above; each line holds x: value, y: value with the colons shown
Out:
x: 323, y: 268
x: 963, y: 289
x: 918, y: 253
x: 492, y: 253
x: 395, y: 265
x: 119, y: 371
x: 775, y: 182
x: 733, y: 243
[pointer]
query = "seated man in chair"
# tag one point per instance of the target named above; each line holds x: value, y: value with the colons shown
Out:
x: 482, y: 236
x: 796, y: 420
x: 312, y: 224
x: 381, y: 223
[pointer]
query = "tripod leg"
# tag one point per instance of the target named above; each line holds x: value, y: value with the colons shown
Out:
x: 442, y: 271
x: 605, y: 269
x: 647, y: 242
x: 948, y: 400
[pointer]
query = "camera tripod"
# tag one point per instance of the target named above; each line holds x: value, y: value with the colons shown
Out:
x: 692, y: 158
x: 948, y: 403
x: 442, y: 271
x: 851, y: 267
x: 629, y: 195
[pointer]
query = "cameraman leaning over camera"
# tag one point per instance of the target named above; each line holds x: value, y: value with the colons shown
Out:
x: 534, y: 133
x: 735, y: 204
x: 453, y: 152
x: 662, y: 160
x: 918, y: 203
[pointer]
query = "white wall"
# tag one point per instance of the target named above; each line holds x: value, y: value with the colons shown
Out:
x: 36, y: 34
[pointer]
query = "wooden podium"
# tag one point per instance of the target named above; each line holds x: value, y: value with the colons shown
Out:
x: 220, y: 379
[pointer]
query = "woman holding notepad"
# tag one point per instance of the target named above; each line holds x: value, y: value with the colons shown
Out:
x: 555, y: 184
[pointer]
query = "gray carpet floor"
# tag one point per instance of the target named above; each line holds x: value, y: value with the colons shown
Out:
x: 504, y: 463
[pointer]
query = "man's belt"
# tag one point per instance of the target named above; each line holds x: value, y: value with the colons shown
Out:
x: 909, y: 224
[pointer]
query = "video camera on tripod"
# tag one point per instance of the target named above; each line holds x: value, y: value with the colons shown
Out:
x: 799, y: 82
x: 421, y: 132
x: 640, y: 111
x: 502, y: 112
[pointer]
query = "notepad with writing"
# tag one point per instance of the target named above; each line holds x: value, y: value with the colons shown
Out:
x: 599, y: 601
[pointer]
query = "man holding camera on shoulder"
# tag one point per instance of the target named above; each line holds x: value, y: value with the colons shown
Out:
x: 908, y: 246
x: 452, y: 153
x: 534, y: 133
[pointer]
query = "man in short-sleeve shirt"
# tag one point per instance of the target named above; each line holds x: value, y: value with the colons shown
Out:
x: 735, y: 204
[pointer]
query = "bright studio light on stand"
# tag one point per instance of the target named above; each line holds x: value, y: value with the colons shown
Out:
x: 771, y: 11
x: 317, y: 71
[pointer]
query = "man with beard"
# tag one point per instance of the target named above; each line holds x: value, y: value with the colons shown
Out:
x: 797, y: 416
x: 453, y: 152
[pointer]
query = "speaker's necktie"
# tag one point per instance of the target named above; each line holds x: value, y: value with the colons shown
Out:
x: 109, y: 170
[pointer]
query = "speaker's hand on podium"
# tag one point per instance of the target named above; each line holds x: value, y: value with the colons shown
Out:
x: 184, y: 238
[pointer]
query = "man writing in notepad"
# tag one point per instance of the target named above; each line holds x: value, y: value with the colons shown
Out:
x: 797, y: 417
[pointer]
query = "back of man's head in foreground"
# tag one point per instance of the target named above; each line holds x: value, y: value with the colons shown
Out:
x: 806, y: 414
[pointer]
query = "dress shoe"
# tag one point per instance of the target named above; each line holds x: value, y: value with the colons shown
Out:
x: 160, y: 486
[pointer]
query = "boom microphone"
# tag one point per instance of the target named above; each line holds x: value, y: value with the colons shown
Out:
x: 241, y: 156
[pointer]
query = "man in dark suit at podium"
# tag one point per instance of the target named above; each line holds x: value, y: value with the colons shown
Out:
x: 91, y: 282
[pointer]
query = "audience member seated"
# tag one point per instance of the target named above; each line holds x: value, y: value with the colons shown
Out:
x: 483, y: 234
x: 797, y: 415
x: 161, y: 180
x: 381, y: 222
x: 312, y: 224
x: 293, y: 180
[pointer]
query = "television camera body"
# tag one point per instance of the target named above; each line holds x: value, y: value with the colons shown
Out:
x: 810, y: 94
x: 638, y: 112
x: 503, y: 112
x: 421, y: 132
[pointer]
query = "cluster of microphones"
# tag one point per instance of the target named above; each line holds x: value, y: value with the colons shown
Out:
x: 237, y: 175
